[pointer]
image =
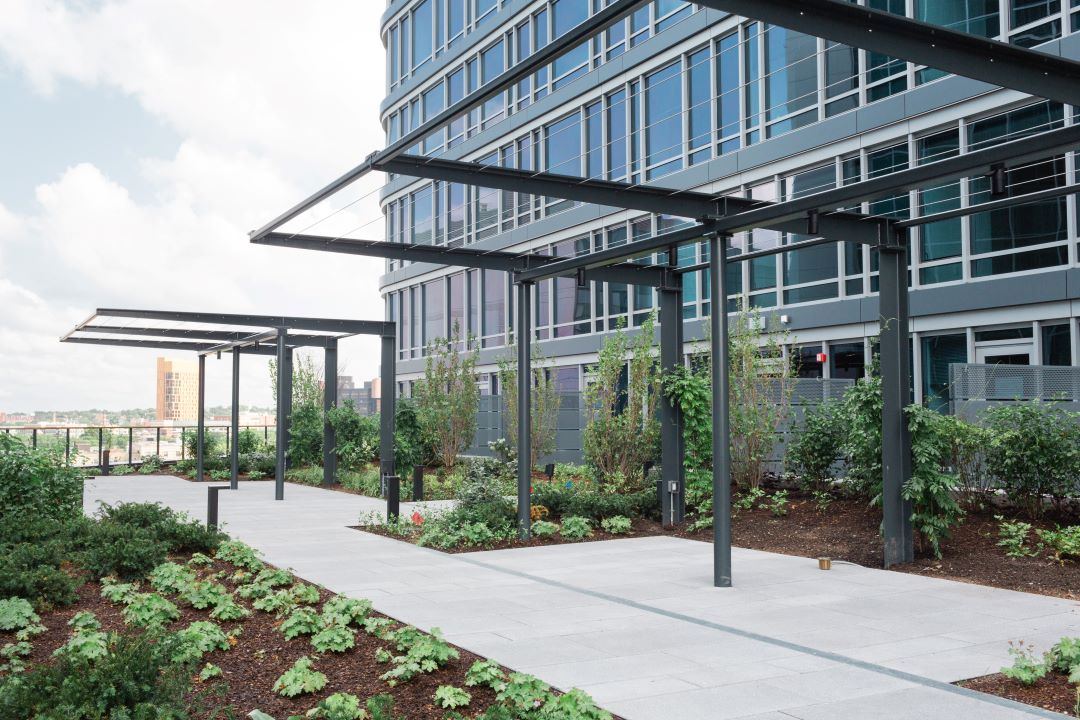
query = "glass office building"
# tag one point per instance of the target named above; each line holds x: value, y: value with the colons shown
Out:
x: 692, y: 98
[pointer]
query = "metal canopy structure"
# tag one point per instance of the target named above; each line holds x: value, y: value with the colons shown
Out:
x: 266, y: 335
x: 717, y: 217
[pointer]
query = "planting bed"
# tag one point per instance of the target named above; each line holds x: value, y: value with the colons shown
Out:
x: 1054, y: 692
x: 261, y: 654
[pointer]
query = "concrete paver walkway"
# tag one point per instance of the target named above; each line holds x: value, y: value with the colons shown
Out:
x: 637, y: 623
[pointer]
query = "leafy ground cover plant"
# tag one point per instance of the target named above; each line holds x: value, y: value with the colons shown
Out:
x: 423, y: 653
x: 544, y: 528
x: 576, y: 528
x: 150, y: 610
x: 617, y: 525
x: 301, y: 679
x: 449, y: 697
x: 1063, y: 542
x: 1026, y: 668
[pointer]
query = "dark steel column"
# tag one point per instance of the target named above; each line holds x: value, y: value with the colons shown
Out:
x: 201, y: 425
x: 288, y: 402
x: 330, y: 378
x: 523, y: 338
x: 279, y: 442
x: 721, y: 441
x: 896, y: 395
x: 387, y: 392
x: 672, y: 498
x: 234, y: 448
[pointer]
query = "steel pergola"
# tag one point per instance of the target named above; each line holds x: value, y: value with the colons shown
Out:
x: 717, y: 217
x: 267, y: 335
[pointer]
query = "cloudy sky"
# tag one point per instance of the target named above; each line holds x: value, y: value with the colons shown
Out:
x: 140, y: 141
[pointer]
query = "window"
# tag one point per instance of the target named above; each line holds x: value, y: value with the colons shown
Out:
x: 494, y: 308
x: 663, y: 121
x: 615, y: 113
x: 791, y: 74
x: 937, y: 354
x: 422, y: 23
x: 727, y: 101
x: 434, y: 315
x: 492, y: 64
x: 421, y: 216
x: 699, y: 76
x: 572, y: 310
x: 1056, y: 346
x: 565, y: 16
x: 562, y: 146
x: 941, y: 239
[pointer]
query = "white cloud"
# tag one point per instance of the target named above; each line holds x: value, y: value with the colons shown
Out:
x: 271, y: 98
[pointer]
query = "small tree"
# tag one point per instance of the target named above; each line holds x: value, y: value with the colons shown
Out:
x: 544, y: 410
x: 306, y: 420
x: 761, y: 386
x: 447, y: 398
x: 622, y: 431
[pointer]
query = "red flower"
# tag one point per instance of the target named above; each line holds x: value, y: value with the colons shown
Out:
x: 417, y: 518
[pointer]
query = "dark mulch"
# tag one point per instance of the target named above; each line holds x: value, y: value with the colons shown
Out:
x: 1054, y: 692
x: 262, y: 654
x: 640, y: 528
x: 849, y: 531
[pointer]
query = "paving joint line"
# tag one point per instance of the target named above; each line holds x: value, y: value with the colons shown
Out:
x: 768, y: 639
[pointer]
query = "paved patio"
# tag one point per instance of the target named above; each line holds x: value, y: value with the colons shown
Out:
x: 637, y: 623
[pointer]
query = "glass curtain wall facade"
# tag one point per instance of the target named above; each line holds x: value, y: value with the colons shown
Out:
x: 732, y: 106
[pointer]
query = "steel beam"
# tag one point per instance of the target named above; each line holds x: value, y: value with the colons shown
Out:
x: 200, y: 430
x: 979, y: 162
x: 460, y: 257
x: 558, y: 47
x: 387, y: 409
x: 247, y: 341
x: 1009, y: 202
x: 198, y: 335
x: 281, y: 438
x: 288, y: 403
x: 896, y: 396
x: 721, y: 435
x: 234, y: 450
x: 638, y: 248
x: 922, y: 43
x: 156, y: 345
x: 523, y: 338
x: 671, y: 344
x: 330, y: 387
x: 628, y: 196
x: 351, y: 327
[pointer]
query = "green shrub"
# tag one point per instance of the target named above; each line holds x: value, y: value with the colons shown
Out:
x: 37, y: 483
x: 261, y: 462
x: 249, y: 441
x: 1034, y: 452
x: 497, y: 515
x: 364, y: 481
x: 1064, y: 657
x: 306, y: 434
x: 213, y: 444
x: 122, y: 470
x: 816, y: 446
x: 184, y: 467
x: 544, y: 528
x: 485, y: 481
x: 150, y: 465
x: 564, y: 501
x: 617, y: 525
x: 576, y: 528
x: 357, y: 435
x: 181, y: 533
x: 1064, y: 542
x: 310, y: 475
x: 1026, y: 669
x: 1013, y: 536
x: 125, y: 551
x: 136, y: 679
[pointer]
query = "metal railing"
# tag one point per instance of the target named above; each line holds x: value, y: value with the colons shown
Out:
x: 973, y: 388
x: 85, y: 445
